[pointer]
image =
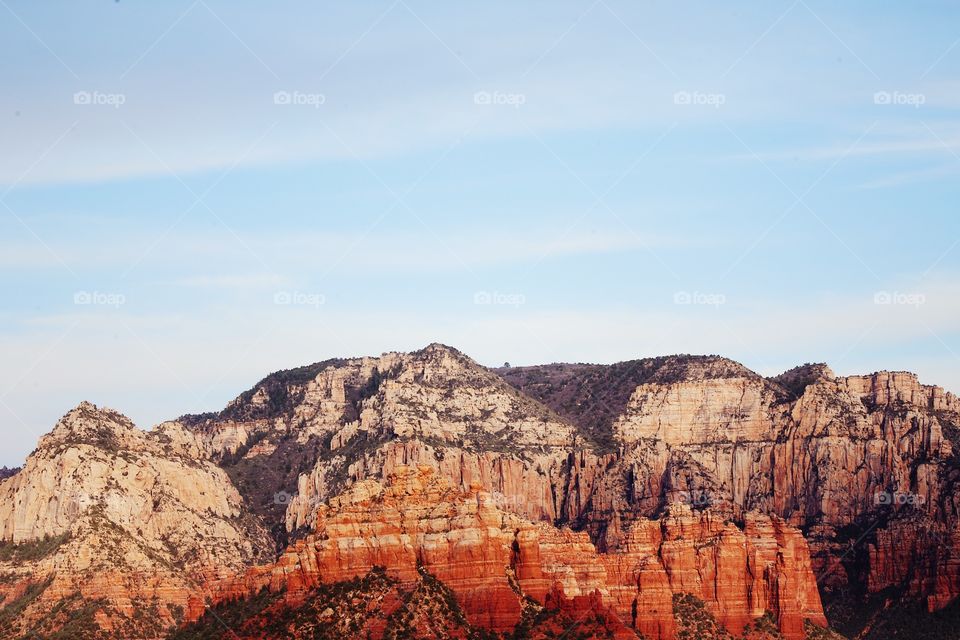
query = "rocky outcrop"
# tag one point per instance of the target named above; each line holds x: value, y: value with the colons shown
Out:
x: 702, y: 409
x: 492, y: 559
x: 862, y: 460
x: 342, y: 421
x: 621, y: 492
x: 623, y: 442
x: 112, y: 514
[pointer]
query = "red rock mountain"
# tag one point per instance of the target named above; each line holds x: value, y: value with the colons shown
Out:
x: 107, y: 526
x: 498, y: 564
x: 671, y: 497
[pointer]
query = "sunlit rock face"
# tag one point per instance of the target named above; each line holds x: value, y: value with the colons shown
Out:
x: 132, y: 520
x: 416, y: 520
x: 605, y: 490
x: 835, y: 456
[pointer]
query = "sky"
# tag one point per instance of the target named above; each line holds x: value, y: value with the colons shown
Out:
x: 196, y: 193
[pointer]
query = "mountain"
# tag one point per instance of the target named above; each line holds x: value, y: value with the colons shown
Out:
x: 501, y: 569
x: 107, y: 526
x: 301, y: 436
x: 423, y: 495
x: 863, y: 465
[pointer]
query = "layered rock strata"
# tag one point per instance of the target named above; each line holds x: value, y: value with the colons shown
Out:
x: 105, y: 513
x: 492, y: 560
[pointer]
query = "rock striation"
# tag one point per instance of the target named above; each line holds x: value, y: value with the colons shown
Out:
x: 493, y: 560
x: 105, y: 513
x: 838, y: 457
x: 618, y: 492
x: 360, y: 418
x: 864, y: 461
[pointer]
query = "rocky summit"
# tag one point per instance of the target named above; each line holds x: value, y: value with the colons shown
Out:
x: 421, y: 495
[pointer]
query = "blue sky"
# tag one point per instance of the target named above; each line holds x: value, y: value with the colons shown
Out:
x: 195, y: 193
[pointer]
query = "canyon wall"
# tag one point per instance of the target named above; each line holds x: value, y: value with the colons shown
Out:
x: 609, y: 490
x: 492, y: 559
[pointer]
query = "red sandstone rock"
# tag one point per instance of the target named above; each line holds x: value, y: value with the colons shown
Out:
x: 710, y: 433
x: 475, y: 548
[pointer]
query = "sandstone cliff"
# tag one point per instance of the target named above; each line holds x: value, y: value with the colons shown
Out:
x: 841, y: 458
x: 683, y: 479
x: 115, y: 524
x: 302, y: 436
x: 864, y: 465
x: 497, y: 563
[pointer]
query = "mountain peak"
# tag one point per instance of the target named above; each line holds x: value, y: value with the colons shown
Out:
x: 439, y: 346
x: 797, y: 379
x: 693, y: 368
x: 440, y: 350
x: 89, y: 424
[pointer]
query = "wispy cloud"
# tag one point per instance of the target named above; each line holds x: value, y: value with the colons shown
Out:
x: 233, y: 281
x: 295, y: 253
x: 922, y: 142
x: 899, y: 179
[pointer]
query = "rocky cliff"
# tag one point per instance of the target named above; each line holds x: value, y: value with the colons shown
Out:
x: 110, y: 526
x: 847, y: 460
x: 864, y: 465
x: 302, y: 436
x: 498, y: 564
x: 686, y: 483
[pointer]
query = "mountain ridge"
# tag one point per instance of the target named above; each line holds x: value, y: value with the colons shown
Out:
x: 599, y: 449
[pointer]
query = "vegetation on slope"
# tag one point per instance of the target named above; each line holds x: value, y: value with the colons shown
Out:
x: 889, y: 616
x: 592, y: 396
x: 32, y: 549
x: 379, y: 605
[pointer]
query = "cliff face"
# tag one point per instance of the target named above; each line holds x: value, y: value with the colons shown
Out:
x: 329, y: 425
x: 105, y: 513
x: 623, y: 493
x: 495, y: 561
x: 864, y: 465
x: 840, y: 458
